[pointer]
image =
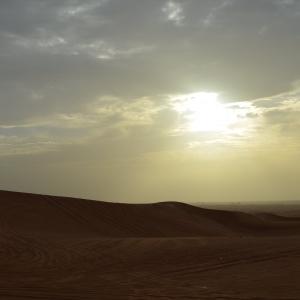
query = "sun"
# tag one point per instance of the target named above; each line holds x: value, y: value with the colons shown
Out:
x: 203, y: 112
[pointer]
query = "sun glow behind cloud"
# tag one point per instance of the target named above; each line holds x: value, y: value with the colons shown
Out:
x: 204, y: 112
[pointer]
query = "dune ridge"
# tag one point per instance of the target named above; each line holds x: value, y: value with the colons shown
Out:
x: 61, y: 217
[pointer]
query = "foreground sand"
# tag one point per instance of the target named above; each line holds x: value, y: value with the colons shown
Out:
x: 63, y: 248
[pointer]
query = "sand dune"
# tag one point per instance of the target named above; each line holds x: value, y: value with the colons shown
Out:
x: 52, y: 217
x: 66, y: 248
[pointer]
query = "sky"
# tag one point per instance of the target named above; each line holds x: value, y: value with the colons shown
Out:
x: 151, y: 100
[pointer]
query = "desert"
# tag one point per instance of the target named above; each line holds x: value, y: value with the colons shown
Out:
x: 149, y: 149
x: 66, y: 248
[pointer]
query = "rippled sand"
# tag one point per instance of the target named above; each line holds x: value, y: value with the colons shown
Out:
x: 65, y: 248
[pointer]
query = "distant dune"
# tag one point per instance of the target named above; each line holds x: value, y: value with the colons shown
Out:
x: 67, y: 248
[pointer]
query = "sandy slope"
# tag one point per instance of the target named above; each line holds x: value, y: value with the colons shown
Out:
x: 64, y: 248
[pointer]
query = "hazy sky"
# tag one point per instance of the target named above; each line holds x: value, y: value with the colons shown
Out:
x: 151, y: 100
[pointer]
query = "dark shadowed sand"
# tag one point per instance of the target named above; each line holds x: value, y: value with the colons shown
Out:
x: 65, y: 248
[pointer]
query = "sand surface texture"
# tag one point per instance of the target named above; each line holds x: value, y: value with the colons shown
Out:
x: 65, y: 248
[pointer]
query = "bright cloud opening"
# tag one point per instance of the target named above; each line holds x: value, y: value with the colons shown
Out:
x: 204, y: 112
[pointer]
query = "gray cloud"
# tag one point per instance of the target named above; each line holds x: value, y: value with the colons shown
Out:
x: 57, y: 56
x: 69, y: 52
x: 277, y: 116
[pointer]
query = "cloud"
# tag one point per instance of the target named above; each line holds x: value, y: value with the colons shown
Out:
x: 68, y: 52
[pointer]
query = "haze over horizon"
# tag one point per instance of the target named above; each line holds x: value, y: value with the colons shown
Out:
x: 147, y: 101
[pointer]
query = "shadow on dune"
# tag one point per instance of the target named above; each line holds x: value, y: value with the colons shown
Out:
x: 51, y: 217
